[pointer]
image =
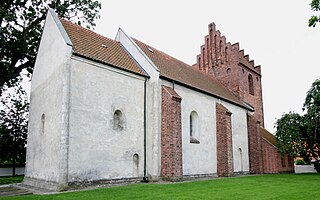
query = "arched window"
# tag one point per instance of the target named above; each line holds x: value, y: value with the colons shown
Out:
x: 228, y: 70
x: 118, y: 120
x: 250, y: 81
x: 194, y: 126
x: 43, y: 119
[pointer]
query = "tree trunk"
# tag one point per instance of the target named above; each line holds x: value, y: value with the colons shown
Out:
x: 14, y: 166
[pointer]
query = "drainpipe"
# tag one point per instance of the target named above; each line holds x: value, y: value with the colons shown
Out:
x: 145, y: 177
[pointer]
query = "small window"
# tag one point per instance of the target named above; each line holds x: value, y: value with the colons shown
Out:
x: 43, y: 119
x: 194, y: 124
x: 250, y: 81
x: 228, y: 70
x: 118, y: 120
x: 243, y: 71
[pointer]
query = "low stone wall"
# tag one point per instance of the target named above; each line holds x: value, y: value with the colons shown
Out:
x: 299, y: 169
x: 8, y: 171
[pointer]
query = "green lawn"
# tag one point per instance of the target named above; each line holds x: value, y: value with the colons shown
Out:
x: 8, y: 180
x: 285, y: 186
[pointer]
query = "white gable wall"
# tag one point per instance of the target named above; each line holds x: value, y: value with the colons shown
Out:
x: 153, y: 102
x: 47, y: 86
x: 96, y: 150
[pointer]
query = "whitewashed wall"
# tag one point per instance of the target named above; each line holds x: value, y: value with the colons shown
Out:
x: 96, y: 150
x: 239, y: 138
x: 46, y: 98
x: 202, y: 158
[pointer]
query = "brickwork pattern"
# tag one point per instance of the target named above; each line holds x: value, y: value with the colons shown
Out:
x: 171, y: 135
x: 224, y: 141
x: 228, y: 64
x: 270, y: 157
x: 272, y: 160
x: 288, y: 164
x: 255, y: 145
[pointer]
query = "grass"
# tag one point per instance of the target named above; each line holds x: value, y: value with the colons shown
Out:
x: 280, y: 186
x: 9, y: 179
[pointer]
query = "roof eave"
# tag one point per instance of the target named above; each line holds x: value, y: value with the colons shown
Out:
x: 208, y: 93
x: 105, y: 63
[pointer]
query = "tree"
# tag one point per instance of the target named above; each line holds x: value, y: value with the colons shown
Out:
x: 300, y: 135
x: 14, y: 127
x: 21, y: 23
x: 315, y: 6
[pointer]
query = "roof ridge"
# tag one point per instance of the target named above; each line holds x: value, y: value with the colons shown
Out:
x: 87, y: 30
x: 153, y: 48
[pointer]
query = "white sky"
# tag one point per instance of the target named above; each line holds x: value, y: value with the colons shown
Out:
x: 274, y: 33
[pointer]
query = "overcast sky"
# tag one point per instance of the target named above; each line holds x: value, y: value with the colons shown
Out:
x: 274, y: 33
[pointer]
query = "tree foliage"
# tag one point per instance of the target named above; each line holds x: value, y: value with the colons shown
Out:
x: 314, y: 19
x: 21, y: 24
x: 14, y: 126
x: 300, y: 135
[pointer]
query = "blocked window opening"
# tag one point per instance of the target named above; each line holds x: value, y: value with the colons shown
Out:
x: 250, y: 81
x: 228, y: 70
x: 43, y: 119
x: 241, y: 162
x: 118, y: 120
x: 194, y: 125
x: 136, y: 164
x: 290, y: 160
x: 226, y: 53
x: 283, y: 161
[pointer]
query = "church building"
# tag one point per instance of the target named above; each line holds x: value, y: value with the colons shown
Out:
x: 108, y: 111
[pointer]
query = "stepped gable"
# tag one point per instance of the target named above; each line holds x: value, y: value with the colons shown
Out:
x: 178, y: 71
x: 217, y: 52
x: 93, y: 46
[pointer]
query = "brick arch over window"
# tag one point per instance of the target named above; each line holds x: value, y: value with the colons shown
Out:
x: 250, y: 81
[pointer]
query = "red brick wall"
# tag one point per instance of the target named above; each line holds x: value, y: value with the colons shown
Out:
x: 255, y: 145
x: 270, y: 157
x: 272, y: 160
x: 171, y: 135
x: 224, y: 141
x: 229, y: 64
x: 288, y: 166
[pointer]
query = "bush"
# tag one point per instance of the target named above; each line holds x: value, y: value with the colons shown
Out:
x: 300, y: 162
x: 317, y: 165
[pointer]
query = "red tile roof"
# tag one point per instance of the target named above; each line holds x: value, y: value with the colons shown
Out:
x: 268, y: 136
x: 99, y: 48
x: 91, y: 45
x: 179, y: 71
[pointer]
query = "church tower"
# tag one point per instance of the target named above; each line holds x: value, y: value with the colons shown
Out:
x: 228, y: 64
x: 234, y: 69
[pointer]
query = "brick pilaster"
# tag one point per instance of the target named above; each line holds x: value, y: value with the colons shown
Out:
x: 224, y: 141
x: 171, y: 135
